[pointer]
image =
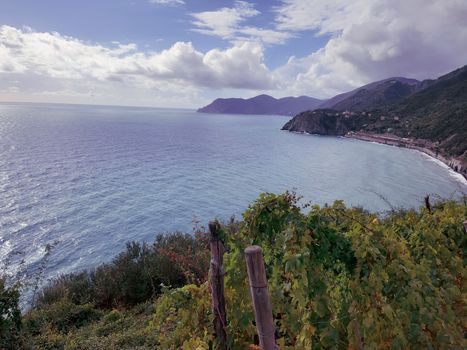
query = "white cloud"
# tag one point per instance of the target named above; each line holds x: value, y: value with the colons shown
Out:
x: 167, y: 2
x: 50, y: 61
x: 369, y: 40
x: 227, y: 23
x: 372, y: 40
x: 239, y: 66
x: 323, y: 16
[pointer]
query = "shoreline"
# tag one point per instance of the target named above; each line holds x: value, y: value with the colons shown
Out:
x: 455, y: 164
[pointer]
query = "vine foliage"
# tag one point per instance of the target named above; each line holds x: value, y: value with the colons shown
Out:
x: 343, y: 278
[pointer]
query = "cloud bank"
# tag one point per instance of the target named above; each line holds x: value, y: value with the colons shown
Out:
x: 369, y: 40
x: 372, y: 40
x: 57, y: 56
x: 52, y: 58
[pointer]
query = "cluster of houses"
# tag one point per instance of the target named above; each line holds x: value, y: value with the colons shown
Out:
x: 394, y: 140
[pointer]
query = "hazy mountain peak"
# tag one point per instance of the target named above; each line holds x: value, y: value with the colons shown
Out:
x: 262, y: 104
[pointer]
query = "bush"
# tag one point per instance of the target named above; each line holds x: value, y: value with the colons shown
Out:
x: 75, y: 287
x: 61, y: 317
x: 115, y: 330
x: 10, y: 317
x: 181, y: 316
x: 135, y: 275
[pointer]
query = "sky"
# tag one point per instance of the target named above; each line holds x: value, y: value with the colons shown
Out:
x: 185, y: 53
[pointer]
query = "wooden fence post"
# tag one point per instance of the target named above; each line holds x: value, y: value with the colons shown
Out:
x: 427, y: 203
x: 358, y: 335
x: 217, y: 285
x: 465, y: 226
x: 260, y: 296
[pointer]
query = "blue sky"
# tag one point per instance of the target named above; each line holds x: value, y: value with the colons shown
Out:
x: 184, y: 53
x: 151, y: 26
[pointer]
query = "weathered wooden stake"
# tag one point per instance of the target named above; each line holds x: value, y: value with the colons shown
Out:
x: 465, y: 226
x: 217, y: 285
x: 427, y: 203
x: 358, y: 335
x: 260, y: 296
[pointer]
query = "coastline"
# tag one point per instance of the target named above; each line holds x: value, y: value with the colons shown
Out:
x: 458, y: 165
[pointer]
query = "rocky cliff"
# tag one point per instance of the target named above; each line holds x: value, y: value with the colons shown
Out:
x: 322, y: 122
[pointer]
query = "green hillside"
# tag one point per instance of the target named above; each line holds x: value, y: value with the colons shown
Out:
x: 374, y: 95
x: 437, y: 113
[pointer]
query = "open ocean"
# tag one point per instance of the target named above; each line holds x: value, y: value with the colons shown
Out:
x: 90, y: 178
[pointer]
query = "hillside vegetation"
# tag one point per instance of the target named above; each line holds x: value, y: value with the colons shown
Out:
x: 337, y: 276
x: 374, y: 95
x: 437, y: 113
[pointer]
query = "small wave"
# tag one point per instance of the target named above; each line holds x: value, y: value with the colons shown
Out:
x: 5, y: 249
x: 452, y: 173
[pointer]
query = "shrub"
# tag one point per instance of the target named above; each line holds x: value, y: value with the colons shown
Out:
x: 182, y: 316
x: 60, y: 317
x: 75, y: 287
x: 117, y: 329
x: 10, y: 316
x: 135, y: 275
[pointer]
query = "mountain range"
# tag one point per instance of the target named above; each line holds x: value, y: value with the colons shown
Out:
x: 262, y: 104
x: 376, y: 94
x: 372, y: 95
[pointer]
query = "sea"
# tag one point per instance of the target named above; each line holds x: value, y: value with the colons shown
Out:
x: 78, y: 182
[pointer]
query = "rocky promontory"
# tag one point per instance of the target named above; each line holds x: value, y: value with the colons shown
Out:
x: 321, y: 122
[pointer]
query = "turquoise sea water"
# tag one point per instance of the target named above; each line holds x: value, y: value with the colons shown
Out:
x: 89, y: 178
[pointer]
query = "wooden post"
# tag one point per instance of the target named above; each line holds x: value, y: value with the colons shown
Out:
x: 217, y: 285
x: 358, y: 335
x: 260, y: 296
x: 427, y: 203
x: 465, y: 226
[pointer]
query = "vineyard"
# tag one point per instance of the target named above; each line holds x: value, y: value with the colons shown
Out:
x: 344, y: 278
x: 338, y: 277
